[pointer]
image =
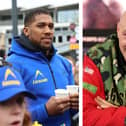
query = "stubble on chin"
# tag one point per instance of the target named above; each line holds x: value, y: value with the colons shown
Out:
x: 45, y: 47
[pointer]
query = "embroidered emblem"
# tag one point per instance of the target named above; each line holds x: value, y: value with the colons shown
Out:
x: 38, y: 73
x: 9, y: 78
x: 88, y: 70
x: 39, y: 77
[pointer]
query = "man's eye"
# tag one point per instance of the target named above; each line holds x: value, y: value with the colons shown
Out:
x: 41, y: 25
x: 51, y: 26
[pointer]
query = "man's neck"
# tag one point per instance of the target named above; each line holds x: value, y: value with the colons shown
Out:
x: 48, y: 52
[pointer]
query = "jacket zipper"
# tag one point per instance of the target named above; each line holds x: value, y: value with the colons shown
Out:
x: 52, y: 75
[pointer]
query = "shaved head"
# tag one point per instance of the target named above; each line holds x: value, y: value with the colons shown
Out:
x: 122, y: 21
x: 121, y: 32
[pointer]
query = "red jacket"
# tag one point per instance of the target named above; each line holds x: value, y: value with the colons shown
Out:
x: 92, y: 87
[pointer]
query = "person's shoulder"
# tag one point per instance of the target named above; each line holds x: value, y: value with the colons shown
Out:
x: 64, y: 60
x: 101, y: 49
x: 111, y: 40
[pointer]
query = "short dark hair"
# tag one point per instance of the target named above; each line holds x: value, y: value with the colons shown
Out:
x: 29, y: 17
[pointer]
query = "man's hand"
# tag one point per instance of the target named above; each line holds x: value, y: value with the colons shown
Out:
x: 56, y: 105
x: 102, y: 104
x: 74, y: 101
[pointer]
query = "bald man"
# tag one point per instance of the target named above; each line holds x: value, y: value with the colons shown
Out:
x: 104, y: 81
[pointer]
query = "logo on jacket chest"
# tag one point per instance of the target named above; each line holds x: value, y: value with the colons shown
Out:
x: 39, y: 77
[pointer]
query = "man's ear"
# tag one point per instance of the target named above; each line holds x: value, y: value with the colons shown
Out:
x: 26, y: 31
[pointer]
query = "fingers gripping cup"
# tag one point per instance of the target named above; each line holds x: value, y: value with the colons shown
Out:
x: 61, y: 93
x: 72, y: 89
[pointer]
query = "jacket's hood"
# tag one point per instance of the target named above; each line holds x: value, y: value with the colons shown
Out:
x: 21, y: 45
x: 25, y: 42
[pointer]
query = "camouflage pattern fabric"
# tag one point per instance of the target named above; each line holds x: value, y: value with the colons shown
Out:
x: 111, y: 64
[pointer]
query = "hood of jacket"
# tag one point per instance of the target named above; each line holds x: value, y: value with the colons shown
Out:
x: 21, y: 45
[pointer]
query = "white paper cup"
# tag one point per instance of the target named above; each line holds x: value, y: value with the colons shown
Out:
x: 61, y: 93
x: 72, y: 89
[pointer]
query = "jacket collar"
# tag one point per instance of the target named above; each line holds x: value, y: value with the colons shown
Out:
x: 23, y: 46
x: 26, y: 43
x: 120, y: 58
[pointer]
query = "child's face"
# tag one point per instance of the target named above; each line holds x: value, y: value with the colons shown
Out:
x: 12, y: 111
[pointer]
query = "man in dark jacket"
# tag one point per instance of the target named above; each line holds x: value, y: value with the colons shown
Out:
x: 43, y: 70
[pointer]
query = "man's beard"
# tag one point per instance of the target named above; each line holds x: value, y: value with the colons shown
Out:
x: 40, y: 46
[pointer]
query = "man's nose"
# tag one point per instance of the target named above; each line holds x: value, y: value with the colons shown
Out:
x: 47, y: 29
